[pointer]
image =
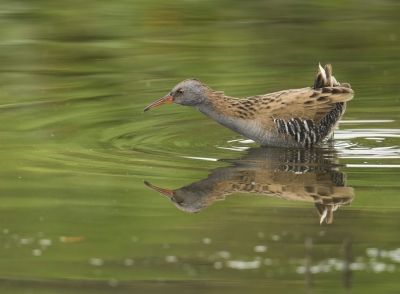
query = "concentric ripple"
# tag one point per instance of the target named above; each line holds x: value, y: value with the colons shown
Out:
x: 183, y: 138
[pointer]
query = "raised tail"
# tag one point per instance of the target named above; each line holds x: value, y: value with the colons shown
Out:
x: 325, y: 78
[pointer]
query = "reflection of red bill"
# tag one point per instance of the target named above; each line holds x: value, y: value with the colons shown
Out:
x: 166, y: 192
x: 164, y: 100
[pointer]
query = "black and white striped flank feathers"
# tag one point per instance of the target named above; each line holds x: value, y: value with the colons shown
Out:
x: 310, y: 116
x: 305, y: 132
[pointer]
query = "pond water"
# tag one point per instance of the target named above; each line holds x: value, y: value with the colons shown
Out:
x: 86, y: 177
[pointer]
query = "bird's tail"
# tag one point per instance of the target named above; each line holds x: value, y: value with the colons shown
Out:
x: 325, y: 78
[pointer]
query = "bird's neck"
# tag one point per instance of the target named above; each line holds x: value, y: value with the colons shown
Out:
x: 225, y: 110
x: 215, y: 105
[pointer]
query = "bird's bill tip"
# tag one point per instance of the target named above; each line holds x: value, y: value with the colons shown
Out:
x: 166, y: 192
x: 164, y: 100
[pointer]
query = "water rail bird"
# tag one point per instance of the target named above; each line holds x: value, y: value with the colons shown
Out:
x: 297, y: 118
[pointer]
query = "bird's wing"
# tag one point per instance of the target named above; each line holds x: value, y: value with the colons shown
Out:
x: 306, y: 104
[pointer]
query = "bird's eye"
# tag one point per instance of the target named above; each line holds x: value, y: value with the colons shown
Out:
x: 180, y: 91
x: 181, y: 202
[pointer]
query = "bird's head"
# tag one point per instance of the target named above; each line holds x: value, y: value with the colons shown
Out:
x: 187, y: 93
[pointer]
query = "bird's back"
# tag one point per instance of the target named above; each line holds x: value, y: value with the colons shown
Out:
x: 291, y: 118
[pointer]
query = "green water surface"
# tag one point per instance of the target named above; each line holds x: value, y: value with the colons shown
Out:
x: 75, y: 149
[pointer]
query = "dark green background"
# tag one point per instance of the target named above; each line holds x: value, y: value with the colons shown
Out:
x: 75, y: 146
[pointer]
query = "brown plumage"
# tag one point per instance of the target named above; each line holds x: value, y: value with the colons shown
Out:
x: 291, y: 118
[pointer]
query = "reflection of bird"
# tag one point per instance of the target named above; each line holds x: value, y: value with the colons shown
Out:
x: 309, y: 175
x: 291, y: 118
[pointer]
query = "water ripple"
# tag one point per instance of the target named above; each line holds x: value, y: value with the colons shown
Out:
x: 184, y: 141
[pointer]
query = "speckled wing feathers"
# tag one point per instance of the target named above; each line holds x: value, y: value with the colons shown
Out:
x: 308, y: 115
x: 308, y: 103
x: 297, y: 118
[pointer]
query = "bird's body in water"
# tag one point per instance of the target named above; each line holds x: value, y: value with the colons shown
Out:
x: 295, y: 118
